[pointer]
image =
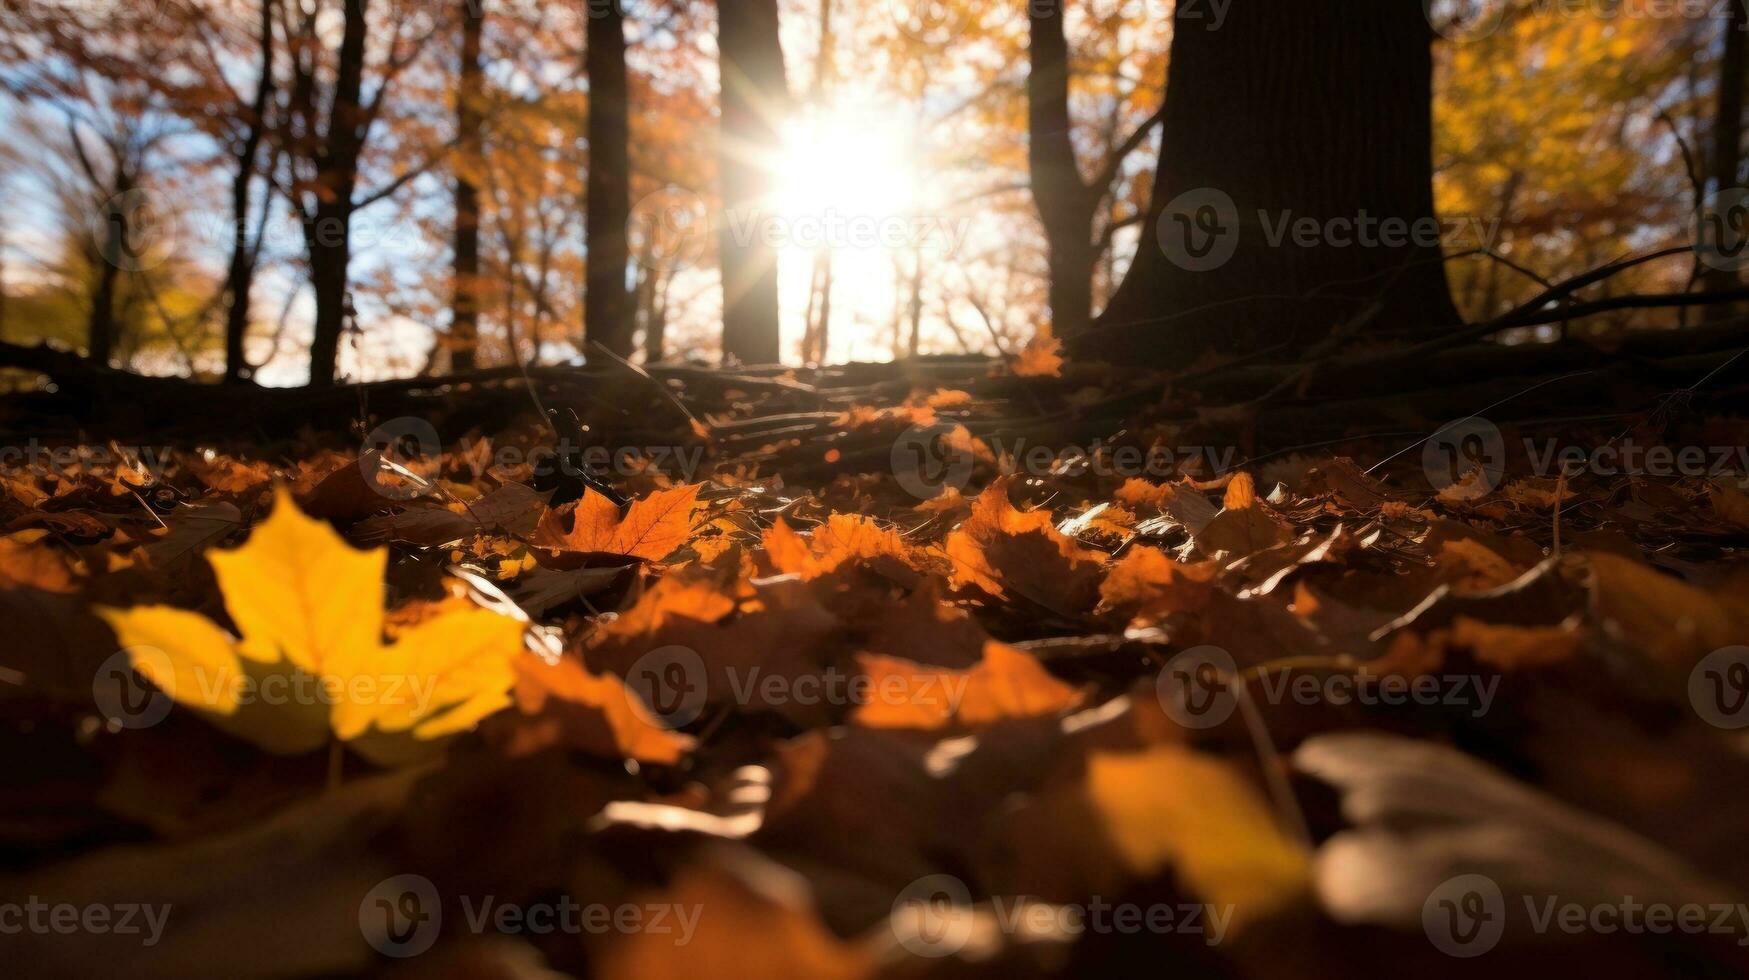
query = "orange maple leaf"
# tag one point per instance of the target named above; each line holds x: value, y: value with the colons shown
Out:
x: 564, y: 704
x: 842, y: 539
x: 1002, y: 550
x: 1041, y: 358
x: 652, y: 528
x: 1007, y: 684
x: 1148, y: 582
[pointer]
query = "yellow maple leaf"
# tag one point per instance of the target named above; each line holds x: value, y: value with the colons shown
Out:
x: 311, y: 663
x: 652, y: 528
x: 1171, y: 807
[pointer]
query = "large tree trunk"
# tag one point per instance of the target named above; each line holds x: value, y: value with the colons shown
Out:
x: 1293, y: 110
x: 1057, y: 186
x: 464, y: 330
x: 755, y: 93
x: 240, y: 278
x: 329, y: 235
x: 607, y: 307
x: 1727, y: 155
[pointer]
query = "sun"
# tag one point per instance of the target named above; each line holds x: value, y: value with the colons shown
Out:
x: 850, y: 172
x: 849, y: 195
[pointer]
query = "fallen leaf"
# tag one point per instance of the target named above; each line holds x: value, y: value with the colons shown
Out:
x: 563, y: 704
x: 1007, y: 684
x: 652, y: 529
x: 312, y: 663
x: 1042, y: 357
x: 1002, y: 550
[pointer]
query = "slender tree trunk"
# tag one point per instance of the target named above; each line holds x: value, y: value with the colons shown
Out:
x: 101, y: 328
x: 1057, y: 188
x: 819, y: 340
x: 2, y: 284
x: 1316, y: 113
x: 816, y: 339
x: 464, y: 331
x: 329, y: 235
x: 240, y: 278
x: 607, y: 307
x: 914, y: 345
x: 755, y: 92
x: 1727, y: 150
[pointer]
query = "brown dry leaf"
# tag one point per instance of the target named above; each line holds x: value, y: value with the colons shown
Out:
x: 27, y: 562
x: 1149, y: 582
x: 564, y: 704
x: 1138, y: 493
x: 1504, y: 647
x: 1469, y: 489
x: 1352, y: 487
x: 1042, y: 357
x: 1007, y: 684
x: 752, y: 918
x: 1004, y: 551
x: 1509, y: 647
x: 926, y: 629
x: 1538, y: 493
x: 1471, y: 566
x: 1241, y: 492
x: 1675, y: 624
x: 227, y: 474
x: 669, y: 599
x: 842, y: 539
x: 774, y: 636
x: 1731, y: 505
x: 1244, y: 526
x: 1135, y: 815
x: 652, y: 529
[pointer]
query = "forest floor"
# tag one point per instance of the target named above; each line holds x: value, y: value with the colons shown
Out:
x: 957, y: 668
